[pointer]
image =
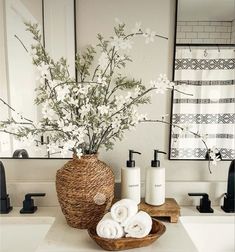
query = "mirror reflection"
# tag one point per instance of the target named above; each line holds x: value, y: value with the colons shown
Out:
x: 21, y: 75
x: 205, y: 64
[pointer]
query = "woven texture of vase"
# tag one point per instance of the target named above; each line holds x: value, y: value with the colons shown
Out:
x: 85, y: 190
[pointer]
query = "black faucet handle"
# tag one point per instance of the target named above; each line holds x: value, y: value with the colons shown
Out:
x: 205, y: 196
x: 29, y: 195
x: 205, y: 203
x: 28, y: 203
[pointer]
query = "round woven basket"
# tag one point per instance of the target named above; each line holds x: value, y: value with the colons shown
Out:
x: 85, y: 190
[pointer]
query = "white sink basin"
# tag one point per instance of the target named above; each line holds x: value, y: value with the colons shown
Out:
x: 211, y: 233
x: 23, y: 234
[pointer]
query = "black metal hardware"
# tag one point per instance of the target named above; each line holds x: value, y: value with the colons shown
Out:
x: 5, y: 206
x: 28, y: 203
x: 21, y: 153
x: 229, y: 199
x: 205, y: 203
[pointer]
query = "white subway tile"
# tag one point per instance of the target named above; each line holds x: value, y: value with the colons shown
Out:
x: 209, y: 41
x: 187, y: 28
x: 203, y: 23
x: 221, y: 41
x: 209, y: 28
x: 191, y: 23
x: 203, y: 35
x: 191, y: 35
x: 228, y: 24
x: 197, y: 41
x: 181, y: 23
x: 186, y: 40
x: 216, y: 23
x: 221, y: 29
x: 197, y: 28
x: 225, y: 35
x: 214, y: 35
x: 181, y: 35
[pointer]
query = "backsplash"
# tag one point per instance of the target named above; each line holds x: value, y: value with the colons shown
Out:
x: 206, y: 32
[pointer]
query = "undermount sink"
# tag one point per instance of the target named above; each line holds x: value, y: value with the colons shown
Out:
x: 20, y: 234
x: 211, y: 233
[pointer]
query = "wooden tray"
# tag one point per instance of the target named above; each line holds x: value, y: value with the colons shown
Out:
x: 169, y: 209
x: 129, y: 243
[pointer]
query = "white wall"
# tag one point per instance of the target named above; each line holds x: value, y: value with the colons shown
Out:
x: 93, y: 17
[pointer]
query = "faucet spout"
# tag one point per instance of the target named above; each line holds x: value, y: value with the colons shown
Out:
x: 4, y: 198
x: 3, y: 189
x: 231, y: 178
x: 229, y: 199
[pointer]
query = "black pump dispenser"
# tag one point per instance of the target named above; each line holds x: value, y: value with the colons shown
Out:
x: 156, y: 162
x: 131, y: 162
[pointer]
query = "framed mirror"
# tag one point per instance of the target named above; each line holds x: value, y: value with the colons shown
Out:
x: 204, y: 62
x: 56, y: 20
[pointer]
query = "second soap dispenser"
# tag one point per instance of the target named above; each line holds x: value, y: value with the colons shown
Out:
x: 155, y: 182
x: 130, y: 179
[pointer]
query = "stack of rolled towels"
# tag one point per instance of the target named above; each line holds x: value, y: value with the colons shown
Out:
x: 124, y: 220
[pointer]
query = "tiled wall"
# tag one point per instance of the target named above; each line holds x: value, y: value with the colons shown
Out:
x: 205, y: 32
x: 233, y: 32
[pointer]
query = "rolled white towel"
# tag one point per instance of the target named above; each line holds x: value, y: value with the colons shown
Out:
x: 139, y: 226
x: 109, y: 228
x: 123, y: 210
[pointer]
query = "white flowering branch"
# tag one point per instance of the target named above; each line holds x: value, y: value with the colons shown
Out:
x: 94, y: 111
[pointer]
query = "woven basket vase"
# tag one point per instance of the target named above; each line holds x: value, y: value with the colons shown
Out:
x: 85, y: 189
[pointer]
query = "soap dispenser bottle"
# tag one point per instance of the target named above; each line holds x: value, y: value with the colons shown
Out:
x: 155, y: 182
x: 130, y: 179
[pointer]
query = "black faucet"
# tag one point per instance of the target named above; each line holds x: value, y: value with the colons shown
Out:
x: 5, y: 207
x: 205, y: 203
x: 229, y: 198
x: 28, y: 203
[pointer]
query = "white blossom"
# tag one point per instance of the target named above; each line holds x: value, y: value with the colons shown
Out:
x: 161, y: 84
x: 53, y: 83
x: 48, y: 112
x: 103, y: 60
x: 116, y: 124
x: 52, y: 147
x: 62, y: 93
x: 103, y: 109
x: 79, y: 153
x: 44, y: 70
x: 28, y: 140
x: 121, y: 43
x: 101, y: 80
x: 83, y: 90
x: 119, y: 101
x: 137, y: 28
x: 84, y: 110
x: 149, y: 36
x: 33, y: 53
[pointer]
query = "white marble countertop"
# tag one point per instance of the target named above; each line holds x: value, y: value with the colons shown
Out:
x: 63, y: 238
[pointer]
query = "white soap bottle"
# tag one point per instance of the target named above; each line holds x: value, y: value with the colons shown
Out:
x: 155, y: 182
x: 130, y: 180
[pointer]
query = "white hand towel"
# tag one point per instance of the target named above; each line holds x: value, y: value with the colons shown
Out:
x: 109, y: 228
x: 123, y: 210
x: 139, y: 226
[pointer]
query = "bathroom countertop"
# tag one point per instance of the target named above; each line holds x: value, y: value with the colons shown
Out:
x: 63, y: 238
